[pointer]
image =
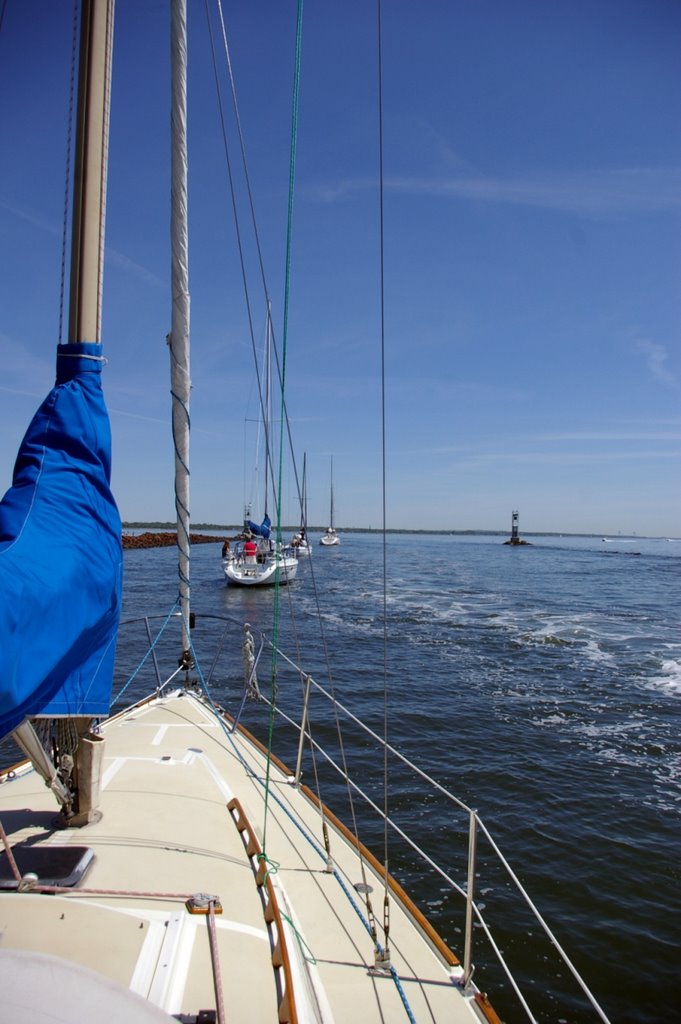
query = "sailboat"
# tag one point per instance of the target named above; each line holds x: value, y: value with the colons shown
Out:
x: 330, y: 538
x: 258, y: 559
x: 300, y: 544
x: 190, y: 874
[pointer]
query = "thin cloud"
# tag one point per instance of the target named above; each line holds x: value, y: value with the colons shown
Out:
x: 643, y: 190
x: 29, y: 217
x: 528, y: 458
x: 614, y: 436
x: 163, y: 421
x: 23, y: 393
x: 656, y: 358
x: 124, y: 263
x: 112, y: 256
x: 568, y: 458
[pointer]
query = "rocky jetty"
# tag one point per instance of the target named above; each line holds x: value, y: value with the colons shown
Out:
x: 163, y: 540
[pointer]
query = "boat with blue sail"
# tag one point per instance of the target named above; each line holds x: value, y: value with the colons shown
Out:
x: 257, y: 559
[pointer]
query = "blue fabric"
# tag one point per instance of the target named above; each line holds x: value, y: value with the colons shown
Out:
x: 61, y: 556
x: 260, y: 531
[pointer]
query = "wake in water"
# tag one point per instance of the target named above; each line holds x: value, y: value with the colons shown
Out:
x: 543, y: 686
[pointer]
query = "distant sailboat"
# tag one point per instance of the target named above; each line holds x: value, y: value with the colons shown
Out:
x: 299, y: 542
x: 330, y: 538
x: 258, y: 560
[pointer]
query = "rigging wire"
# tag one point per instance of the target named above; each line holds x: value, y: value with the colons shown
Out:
x: 256, y: 241
x: 256, y: 233
x: 232, y: 188
x: 386, y: 902
x: 264, y: 376
x: 285, y: 417
x: 276, y: 625
x: 281, y: 375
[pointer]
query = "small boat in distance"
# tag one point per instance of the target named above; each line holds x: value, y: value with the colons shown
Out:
x: 330, y: 538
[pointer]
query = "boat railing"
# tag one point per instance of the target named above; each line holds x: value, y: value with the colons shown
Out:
x: 476, y: 828
x: 297, y: 707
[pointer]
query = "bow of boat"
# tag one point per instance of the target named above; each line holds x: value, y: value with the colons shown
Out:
x: 186, y: 903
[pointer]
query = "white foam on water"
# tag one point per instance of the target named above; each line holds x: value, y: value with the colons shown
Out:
x: 609, y: 731
x: 669, y: 677
x: 554, y: 719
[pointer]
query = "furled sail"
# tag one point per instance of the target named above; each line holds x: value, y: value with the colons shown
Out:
x: 263, y: 530
x: 61, y: 554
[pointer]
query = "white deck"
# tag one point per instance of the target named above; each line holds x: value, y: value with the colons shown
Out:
x: 166, y: 833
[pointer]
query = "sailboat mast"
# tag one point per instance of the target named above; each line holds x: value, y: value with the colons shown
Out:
x: 331, y: 511
x: 267, y: 416
x: 179, y: 332
x: 91, y: 160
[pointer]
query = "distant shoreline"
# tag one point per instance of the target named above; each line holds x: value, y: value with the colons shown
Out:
x: 165, y: 530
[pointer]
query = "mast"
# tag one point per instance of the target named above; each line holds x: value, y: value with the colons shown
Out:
x: 61, y: 660
x: 331, y: 522
x: 178, y: 339
x: 267, y: 414
x: 92, y: 151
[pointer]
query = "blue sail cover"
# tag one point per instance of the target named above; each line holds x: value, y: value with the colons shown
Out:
x: 260, y: 531
x: 61, y: 554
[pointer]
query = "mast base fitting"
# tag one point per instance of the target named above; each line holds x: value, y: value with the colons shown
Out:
x: 186, y: 662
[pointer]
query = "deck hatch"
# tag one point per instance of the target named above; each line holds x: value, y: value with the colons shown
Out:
x: 54, y: 865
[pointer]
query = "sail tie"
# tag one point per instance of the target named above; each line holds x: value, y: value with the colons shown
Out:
x: 83, y: 355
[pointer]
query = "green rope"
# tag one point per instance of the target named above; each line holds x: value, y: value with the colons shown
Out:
x: 287, y: 289
x: 302, y: 944
x: 272, y: 866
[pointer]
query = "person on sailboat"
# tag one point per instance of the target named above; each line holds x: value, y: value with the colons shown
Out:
x: 250, y: 550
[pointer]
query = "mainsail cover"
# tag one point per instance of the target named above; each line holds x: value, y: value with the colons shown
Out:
x: 263, y: 530
x: 61, y: 554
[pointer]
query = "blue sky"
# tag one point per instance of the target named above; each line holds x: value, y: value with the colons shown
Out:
x: 532, y: 169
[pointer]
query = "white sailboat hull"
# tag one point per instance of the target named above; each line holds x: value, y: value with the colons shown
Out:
x: 242, y: 573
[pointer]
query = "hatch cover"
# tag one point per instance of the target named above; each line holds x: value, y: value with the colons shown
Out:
x: 54, y: 865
